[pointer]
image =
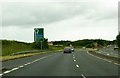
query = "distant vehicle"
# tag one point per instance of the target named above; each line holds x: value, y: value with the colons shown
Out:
x: 67, y: 50
x: 83, y: 47
x: 116, y: 47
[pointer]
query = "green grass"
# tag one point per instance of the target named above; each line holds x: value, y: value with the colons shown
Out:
x: 6, y: 58
x: 56, y: 48
x: 78, y: 46
x: 9, y: 47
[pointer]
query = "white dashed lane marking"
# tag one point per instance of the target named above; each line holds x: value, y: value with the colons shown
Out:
x: 14, y: 69
x: 77, y: 65
x: 1, y: 75
x: 109, y: 61
x: 74, y: 60
x: 108, y: 54
x: 28, y: 63
x: 21, y: 66
x: 8, y: 71
x: 25, y: 64
x: 83, y: 76
x: 73, y: 57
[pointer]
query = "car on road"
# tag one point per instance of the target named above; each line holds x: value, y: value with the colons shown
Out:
x: 116, y: 47
x: 67, y: 50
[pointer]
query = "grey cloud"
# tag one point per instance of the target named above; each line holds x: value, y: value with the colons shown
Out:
x: 26, y: 14
x: 43, y: 13
x: 119, y: 16
x: 102, y: 15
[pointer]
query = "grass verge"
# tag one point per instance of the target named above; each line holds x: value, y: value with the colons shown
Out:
x: 6, y: 58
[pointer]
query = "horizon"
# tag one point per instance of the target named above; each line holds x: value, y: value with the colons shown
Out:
x: 57, y: 40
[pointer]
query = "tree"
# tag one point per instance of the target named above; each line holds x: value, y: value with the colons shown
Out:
x: 118, y: 40
x: 45, y: 44
x: 41, y: 45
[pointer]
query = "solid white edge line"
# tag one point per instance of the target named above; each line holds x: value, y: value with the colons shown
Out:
x: 115, y: 63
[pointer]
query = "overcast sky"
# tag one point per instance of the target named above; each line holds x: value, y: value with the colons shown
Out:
x: 61, y: 20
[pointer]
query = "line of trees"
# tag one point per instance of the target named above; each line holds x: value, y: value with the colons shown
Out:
x: 89, y: 43
x: 41, y: 45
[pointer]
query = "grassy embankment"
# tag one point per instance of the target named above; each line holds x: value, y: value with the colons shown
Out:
x: 56, y: 48
x: 10, y: 47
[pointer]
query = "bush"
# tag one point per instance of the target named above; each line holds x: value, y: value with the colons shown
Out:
x: 118, y: 40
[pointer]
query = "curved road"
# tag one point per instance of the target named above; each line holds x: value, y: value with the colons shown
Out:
x: 79, y: 63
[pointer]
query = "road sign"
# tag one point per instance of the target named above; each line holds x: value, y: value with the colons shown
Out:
x: 38, y: 34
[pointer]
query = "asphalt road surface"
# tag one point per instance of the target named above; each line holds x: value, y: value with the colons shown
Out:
x: 109, y: 51
x: 79, y: 63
